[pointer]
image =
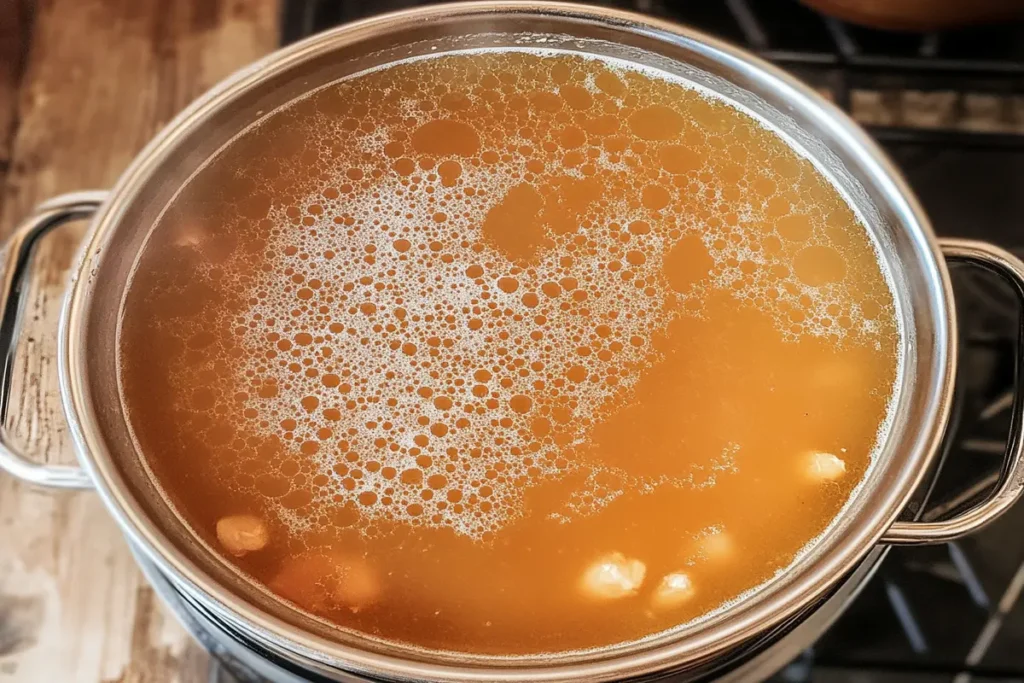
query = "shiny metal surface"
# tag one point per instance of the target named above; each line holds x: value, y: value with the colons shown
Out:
x: 907, y: 247
x: 243, y: 662
x: 786, y: 649
x: 828, y: 137
x: 18, y: 252
x: 1011, y: 482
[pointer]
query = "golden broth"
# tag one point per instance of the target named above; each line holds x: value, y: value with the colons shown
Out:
x: 508, y: 352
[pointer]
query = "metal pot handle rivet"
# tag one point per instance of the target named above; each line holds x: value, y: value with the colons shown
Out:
x: 1011, y: 481
x: 17, y: 264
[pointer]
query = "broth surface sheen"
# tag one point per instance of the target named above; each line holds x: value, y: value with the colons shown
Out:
x: 508, y: 352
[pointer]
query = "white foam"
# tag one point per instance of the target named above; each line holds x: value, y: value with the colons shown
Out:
x: 456, y: 292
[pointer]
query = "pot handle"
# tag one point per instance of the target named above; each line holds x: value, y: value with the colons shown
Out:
x: 1011, y: 481
x: 17, y: 259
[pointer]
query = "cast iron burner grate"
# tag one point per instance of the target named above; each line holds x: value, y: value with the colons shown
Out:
x: 949, y: 109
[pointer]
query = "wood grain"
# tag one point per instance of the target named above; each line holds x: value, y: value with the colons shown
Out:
x: 15, y: 26
x: 100, y: 78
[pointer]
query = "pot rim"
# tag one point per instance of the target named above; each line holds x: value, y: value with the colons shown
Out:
x: 710, y: 639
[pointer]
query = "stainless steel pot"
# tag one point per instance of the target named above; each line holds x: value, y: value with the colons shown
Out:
x: 122, y: 219
x: 753, y: 661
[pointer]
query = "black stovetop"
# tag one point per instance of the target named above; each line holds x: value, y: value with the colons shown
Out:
x: 930, y: 614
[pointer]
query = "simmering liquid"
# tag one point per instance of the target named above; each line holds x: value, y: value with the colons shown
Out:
x: 508, y: 352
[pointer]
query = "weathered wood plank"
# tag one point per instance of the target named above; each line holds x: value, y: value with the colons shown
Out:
x: 15, y: 24
x: 101, y: 77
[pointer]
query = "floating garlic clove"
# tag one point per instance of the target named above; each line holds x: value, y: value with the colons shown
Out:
x: 613, y: 576
x: 716, y: 544
x: 241, y: 534
x: 674, y: 590
x: 823, y: 466
x: 189, y: 236
x: 322, y: 581
x: 357, y: 584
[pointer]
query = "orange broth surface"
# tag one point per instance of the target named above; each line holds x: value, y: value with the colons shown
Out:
x: 508, y: 352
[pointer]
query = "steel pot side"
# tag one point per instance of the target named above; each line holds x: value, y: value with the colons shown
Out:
x: 87, y: 334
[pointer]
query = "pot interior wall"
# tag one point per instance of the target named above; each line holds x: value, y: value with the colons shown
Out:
x: 190, y: 140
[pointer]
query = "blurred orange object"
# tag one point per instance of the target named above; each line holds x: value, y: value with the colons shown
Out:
x: 920, y: 15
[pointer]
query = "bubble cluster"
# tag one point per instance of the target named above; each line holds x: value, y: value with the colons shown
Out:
x: 462, y: 265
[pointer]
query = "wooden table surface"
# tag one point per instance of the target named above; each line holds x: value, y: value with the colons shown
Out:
x: 84, y: 84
